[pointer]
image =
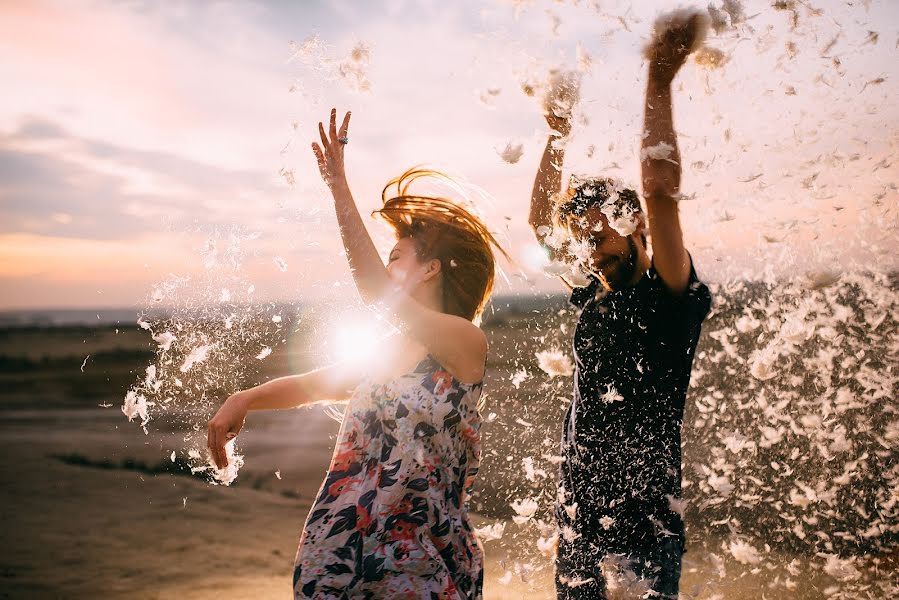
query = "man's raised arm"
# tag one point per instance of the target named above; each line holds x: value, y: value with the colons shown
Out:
x: 548, y: 181
x: 675, y: 36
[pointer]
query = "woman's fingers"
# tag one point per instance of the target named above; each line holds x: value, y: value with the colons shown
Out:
x: 320, y: 157
x: 333, y: 135
x: 333, y: 129
x: 215, y: 444
x: 328, y: 164
x: 321, y: 132
x: 210, y: 443
x: 221, y: 455
x: 330, y: 154
x: 345, y: 126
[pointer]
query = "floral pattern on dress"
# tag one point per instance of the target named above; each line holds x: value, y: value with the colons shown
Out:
x: 391, y: 517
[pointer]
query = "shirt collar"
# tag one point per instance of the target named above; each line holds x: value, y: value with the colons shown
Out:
x: 581, y: 296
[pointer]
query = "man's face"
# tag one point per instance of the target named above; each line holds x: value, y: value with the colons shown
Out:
x: 607, y: 252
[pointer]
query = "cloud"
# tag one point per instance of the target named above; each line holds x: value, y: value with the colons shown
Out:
x: 206, y: 79
x: 138, y: 121
x: 111, y: 192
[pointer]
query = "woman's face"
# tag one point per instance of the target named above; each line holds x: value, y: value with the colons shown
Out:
x: 403, y: 265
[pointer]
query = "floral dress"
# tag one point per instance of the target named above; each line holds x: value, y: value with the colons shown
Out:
x: 390, y: 520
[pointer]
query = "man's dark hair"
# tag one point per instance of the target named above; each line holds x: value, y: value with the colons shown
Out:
x: 586, y: 192
x: 583, y: 193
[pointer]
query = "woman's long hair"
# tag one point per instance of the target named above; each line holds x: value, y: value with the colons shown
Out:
x: 441, y: 229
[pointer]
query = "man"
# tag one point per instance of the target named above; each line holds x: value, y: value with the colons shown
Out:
x: 618, y: 502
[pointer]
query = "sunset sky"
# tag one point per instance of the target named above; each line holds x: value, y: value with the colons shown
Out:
x: 162, y: 148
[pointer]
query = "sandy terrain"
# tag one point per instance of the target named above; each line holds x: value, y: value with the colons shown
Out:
x: 75, y: 531
x: 85, y: 532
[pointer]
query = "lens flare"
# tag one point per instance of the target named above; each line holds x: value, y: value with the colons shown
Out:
x: 534, y: 257
x: 355, y: 338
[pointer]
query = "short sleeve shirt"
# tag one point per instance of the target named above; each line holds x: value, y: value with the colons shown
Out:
x: 633, y: 352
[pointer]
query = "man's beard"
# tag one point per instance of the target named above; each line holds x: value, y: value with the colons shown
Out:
x: 622, y: 269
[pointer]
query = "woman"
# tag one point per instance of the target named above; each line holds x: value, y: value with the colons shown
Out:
x: 390, y: 520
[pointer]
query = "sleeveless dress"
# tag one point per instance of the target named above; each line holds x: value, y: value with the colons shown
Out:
x: 391, y: 518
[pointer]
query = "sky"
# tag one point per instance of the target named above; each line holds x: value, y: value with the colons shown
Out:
x: 159, y: 151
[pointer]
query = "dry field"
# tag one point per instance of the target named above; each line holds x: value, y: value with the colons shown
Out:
x: 93, y: 508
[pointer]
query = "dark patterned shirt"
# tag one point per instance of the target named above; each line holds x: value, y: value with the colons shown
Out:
x: 633, y: 350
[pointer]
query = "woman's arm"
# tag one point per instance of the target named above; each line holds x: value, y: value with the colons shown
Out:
x: 329, y: 384
x: 455, y: 342
x: 334, y: 383
x: 368, y: 270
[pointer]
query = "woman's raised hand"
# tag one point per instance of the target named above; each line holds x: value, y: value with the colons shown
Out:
x: 330, y: 153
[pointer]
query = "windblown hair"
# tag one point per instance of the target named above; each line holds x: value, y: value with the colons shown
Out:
x: 444, y: 230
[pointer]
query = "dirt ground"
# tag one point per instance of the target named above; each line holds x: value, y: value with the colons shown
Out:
x: 75, y: 531
x: 89, y: 507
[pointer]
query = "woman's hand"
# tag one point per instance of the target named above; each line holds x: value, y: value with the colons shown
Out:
x: 225, y: 426
x: 330, y: 153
